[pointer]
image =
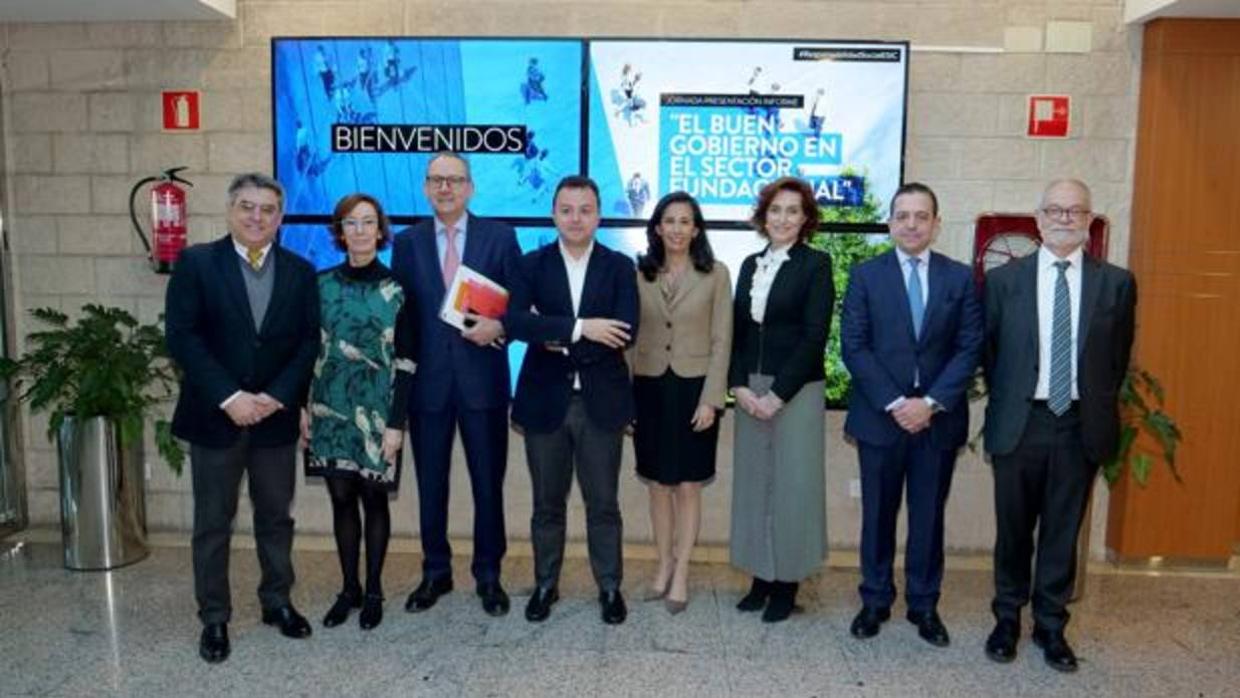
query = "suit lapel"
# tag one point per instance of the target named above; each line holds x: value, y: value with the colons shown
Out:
x: 230, y: 271
x: 428, y: 253
x: 594, y: 272
x: 893, y: 278
x: 1027, y: 303
x: 934, y: 295
x: 557, y: 276
x: 1090, y: 286
x: 691, y: 278
x: 473, y: 243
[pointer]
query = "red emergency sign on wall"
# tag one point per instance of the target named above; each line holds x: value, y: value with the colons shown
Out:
x: 1048, y: 116
x: 181, y: 110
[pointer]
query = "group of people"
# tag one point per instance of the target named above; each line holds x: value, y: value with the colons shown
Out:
x: 348, y: 360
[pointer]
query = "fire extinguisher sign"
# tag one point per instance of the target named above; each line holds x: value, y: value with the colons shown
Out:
x: 1048, y: 116
x: 181, y: 111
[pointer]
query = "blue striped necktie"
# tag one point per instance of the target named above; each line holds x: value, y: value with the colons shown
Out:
x: 916, y: 301
x: 1059, y: 398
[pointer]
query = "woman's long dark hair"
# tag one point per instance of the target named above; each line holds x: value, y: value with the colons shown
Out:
x: 700, y: 253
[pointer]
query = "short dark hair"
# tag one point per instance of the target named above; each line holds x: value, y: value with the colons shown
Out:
x: 347, y: 204
x: 576, y: 182
x: 255, y: 180
x: 808, y: 203
x: 700, y: 252
x: 914, y: 188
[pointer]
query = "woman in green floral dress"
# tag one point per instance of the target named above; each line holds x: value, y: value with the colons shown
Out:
x: 354, y: 423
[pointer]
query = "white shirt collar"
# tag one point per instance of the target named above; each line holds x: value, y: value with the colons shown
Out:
x: 904, y: 257
x: 244, y: 251
x: 569, y: 259
x: 1047, y: 259
x: 461, y: 225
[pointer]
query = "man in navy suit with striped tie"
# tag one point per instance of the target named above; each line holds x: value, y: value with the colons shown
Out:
x: 911, y: 336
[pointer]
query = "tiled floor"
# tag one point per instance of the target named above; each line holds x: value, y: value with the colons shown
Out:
x: 133, y: 632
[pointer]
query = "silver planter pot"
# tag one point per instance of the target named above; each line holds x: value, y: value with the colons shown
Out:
x: 102, y: 495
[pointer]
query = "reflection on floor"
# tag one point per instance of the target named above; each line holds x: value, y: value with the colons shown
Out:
x: 133, y: 632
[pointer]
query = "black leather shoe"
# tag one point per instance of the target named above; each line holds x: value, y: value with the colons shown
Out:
x: 782, y: 602
x: 756, y: 599
x: 339, y: 612
x: 868, y: 621
x: 539, y: 607
x: 372, y: 612
x: 427, y: 593
x: 930, y: 627
x: 213, y: 644
x: 494, y: 599
x: 614, y: 609
x: 292, y: 624
x: 1055, y: 650
x: 1001, y: 645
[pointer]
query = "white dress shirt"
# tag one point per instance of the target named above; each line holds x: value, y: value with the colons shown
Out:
x: 576, y: 268
x: 923, y: 274
x: 764, y: 273
x: 1047, y: 276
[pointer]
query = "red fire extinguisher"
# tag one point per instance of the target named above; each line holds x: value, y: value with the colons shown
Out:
x: 169, y: 221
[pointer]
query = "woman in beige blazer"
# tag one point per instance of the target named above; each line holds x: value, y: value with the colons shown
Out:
x: 680, y: 366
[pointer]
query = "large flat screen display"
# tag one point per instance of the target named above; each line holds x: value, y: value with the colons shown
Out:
x: 716, y: 118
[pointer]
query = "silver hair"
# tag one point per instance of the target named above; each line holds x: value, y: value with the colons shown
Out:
x: 452, y: 155
x: 255, y: 180
x: 1089, y: 197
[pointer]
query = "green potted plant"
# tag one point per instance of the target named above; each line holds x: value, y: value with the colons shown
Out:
x: 98, y: 378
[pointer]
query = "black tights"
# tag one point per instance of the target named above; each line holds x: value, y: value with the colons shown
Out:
x: 345, y: 493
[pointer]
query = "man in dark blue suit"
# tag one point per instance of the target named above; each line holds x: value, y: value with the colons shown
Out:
x: 462, y: 381
x: 911, y: 336
x: 575, y: 302
x: 242, y: 318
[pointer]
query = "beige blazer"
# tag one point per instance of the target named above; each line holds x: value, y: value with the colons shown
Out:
x: 692, y: 333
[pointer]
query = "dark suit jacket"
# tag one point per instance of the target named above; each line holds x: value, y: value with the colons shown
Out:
x: 883, y: 355
x: 443, y: 356
x: 540, y: 310
x: 1104, y: 344
x: 793, y: 336
x: 211, y: 336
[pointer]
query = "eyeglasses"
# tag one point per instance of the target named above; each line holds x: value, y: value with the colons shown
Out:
x: 1075, y: 213
x: 439, y: 180
x: 356, y: 224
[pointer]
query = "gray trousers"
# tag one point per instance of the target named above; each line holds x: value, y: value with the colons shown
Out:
x: 217, y: 480
x: 595, y: 455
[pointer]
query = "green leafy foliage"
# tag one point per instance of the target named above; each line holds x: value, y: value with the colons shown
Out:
x: 105, y: 364
x: 1141, y: 408
x: 846, y: 250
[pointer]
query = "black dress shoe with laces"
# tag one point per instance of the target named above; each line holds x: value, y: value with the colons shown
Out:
x: 756, y: 599
x: 291, y: 623
x: 1055, y: 650
x: 930, y: 627
x: 339, y: 612
x: 614, y: 611
x: 1001, y: 645
x: 372, y: 612
x: 494, y: 599
x: 427, y: 593
x: 868, y: 621
x: 539, y: 607
x: 213, y: 643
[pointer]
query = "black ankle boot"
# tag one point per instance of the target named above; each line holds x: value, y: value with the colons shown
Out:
x: 372, y: 612
x: 755, y: 600
x: 346, y: 601
x: 783, y: 601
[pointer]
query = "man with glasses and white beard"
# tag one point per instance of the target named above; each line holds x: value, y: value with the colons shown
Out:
x: 1059, y: 331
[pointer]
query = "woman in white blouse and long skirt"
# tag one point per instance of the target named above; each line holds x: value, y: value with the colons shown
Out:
x: 781, y: 316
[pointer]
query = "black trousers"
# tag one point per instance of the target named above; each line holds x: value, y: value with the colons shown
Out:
x: 1043, y: 484
x: 594, y: 454
x: 216, y: 482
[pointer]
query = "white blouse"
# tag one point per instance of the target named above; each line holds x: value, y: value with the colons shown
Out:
x: 768, y: 265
